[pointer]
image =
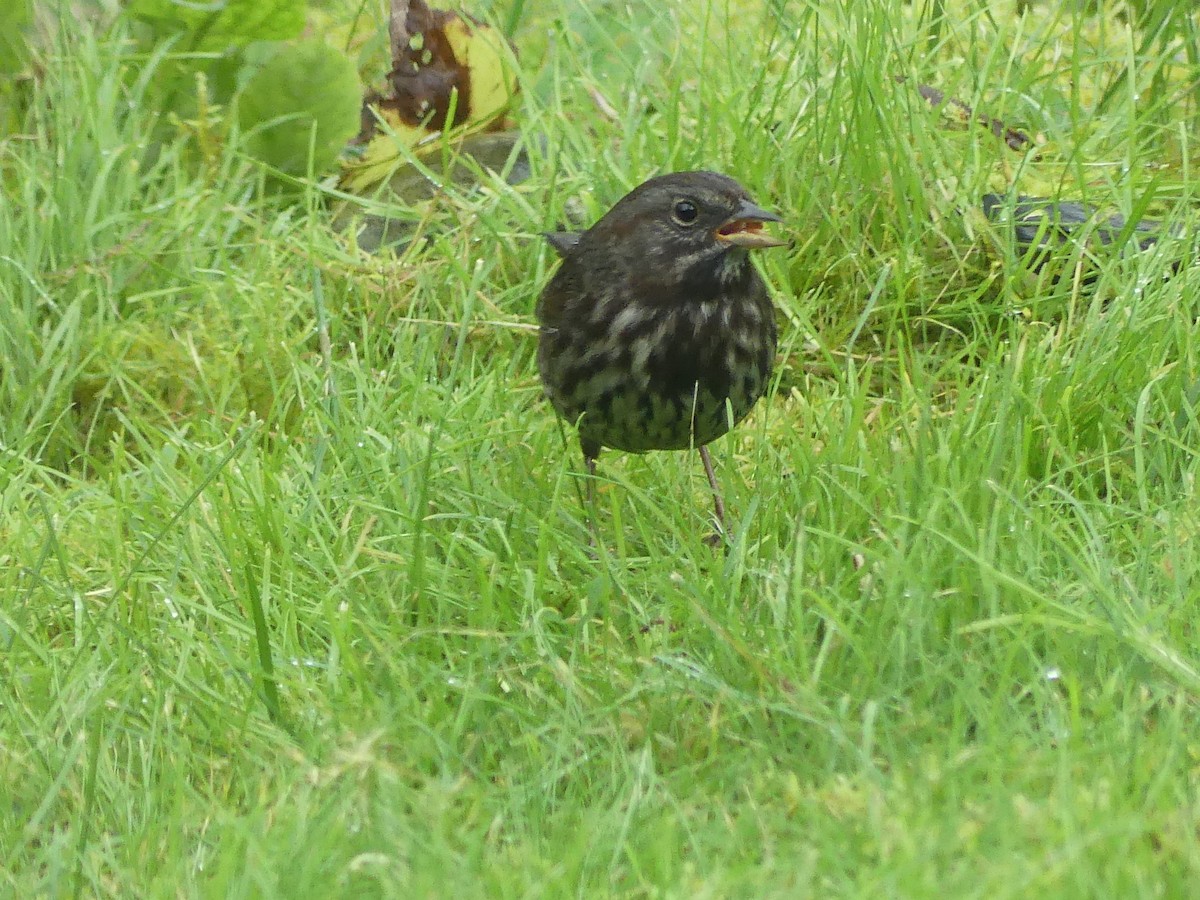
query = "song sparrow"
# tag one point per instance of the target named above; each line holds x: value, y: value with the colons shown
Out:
x: 656, y: 330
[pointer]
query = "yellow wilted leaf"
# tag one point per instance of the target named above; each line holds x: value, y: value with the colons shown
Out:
x: 492, y: 82
x: 380, y: 156
x: 449, y: 74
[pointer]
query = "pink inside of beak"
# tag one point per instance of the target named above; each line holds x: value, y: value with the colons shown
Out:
x: 739, y: 225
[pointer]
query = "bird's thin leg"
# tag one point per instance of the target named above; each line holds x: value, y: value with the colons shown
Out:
x: 718, y: 500
x: 590, y: 463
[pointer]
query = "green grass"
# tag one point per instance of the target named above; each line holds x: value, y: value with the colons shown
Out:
x: 297, y: 598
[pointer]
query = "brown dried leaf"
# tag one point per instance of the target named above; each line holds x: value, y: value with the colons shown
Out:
x: 447, y: 70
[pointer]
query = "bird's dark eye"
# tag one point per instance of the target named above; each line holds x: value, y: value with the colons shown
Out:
x: 685, y: 212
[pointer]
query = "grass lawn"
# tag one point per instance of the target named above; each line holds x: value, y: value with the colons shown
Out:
x: 296, y: 598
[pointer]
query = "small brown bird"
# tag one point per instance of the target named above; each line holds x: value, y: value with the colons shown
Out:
x: 656, y: 330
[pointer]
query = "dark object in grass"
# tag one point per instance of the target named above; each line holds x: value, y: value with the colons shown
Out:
x: 1041, y: 226
x: 656, y: 331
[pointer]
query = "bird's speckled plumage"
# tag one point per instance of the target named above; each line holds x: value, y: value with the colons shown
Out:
x: 656, y: 335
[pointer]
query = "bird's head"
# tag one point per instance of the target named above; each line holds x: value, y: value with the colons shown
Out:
x: 684, y: 227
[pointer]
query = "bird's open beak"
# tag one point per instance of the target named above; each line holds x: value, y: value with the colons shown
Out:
x: 745, y: 228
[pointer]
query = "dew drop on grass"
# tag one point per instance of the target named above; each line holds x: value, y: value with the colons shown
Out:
x: 1053, y: 674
